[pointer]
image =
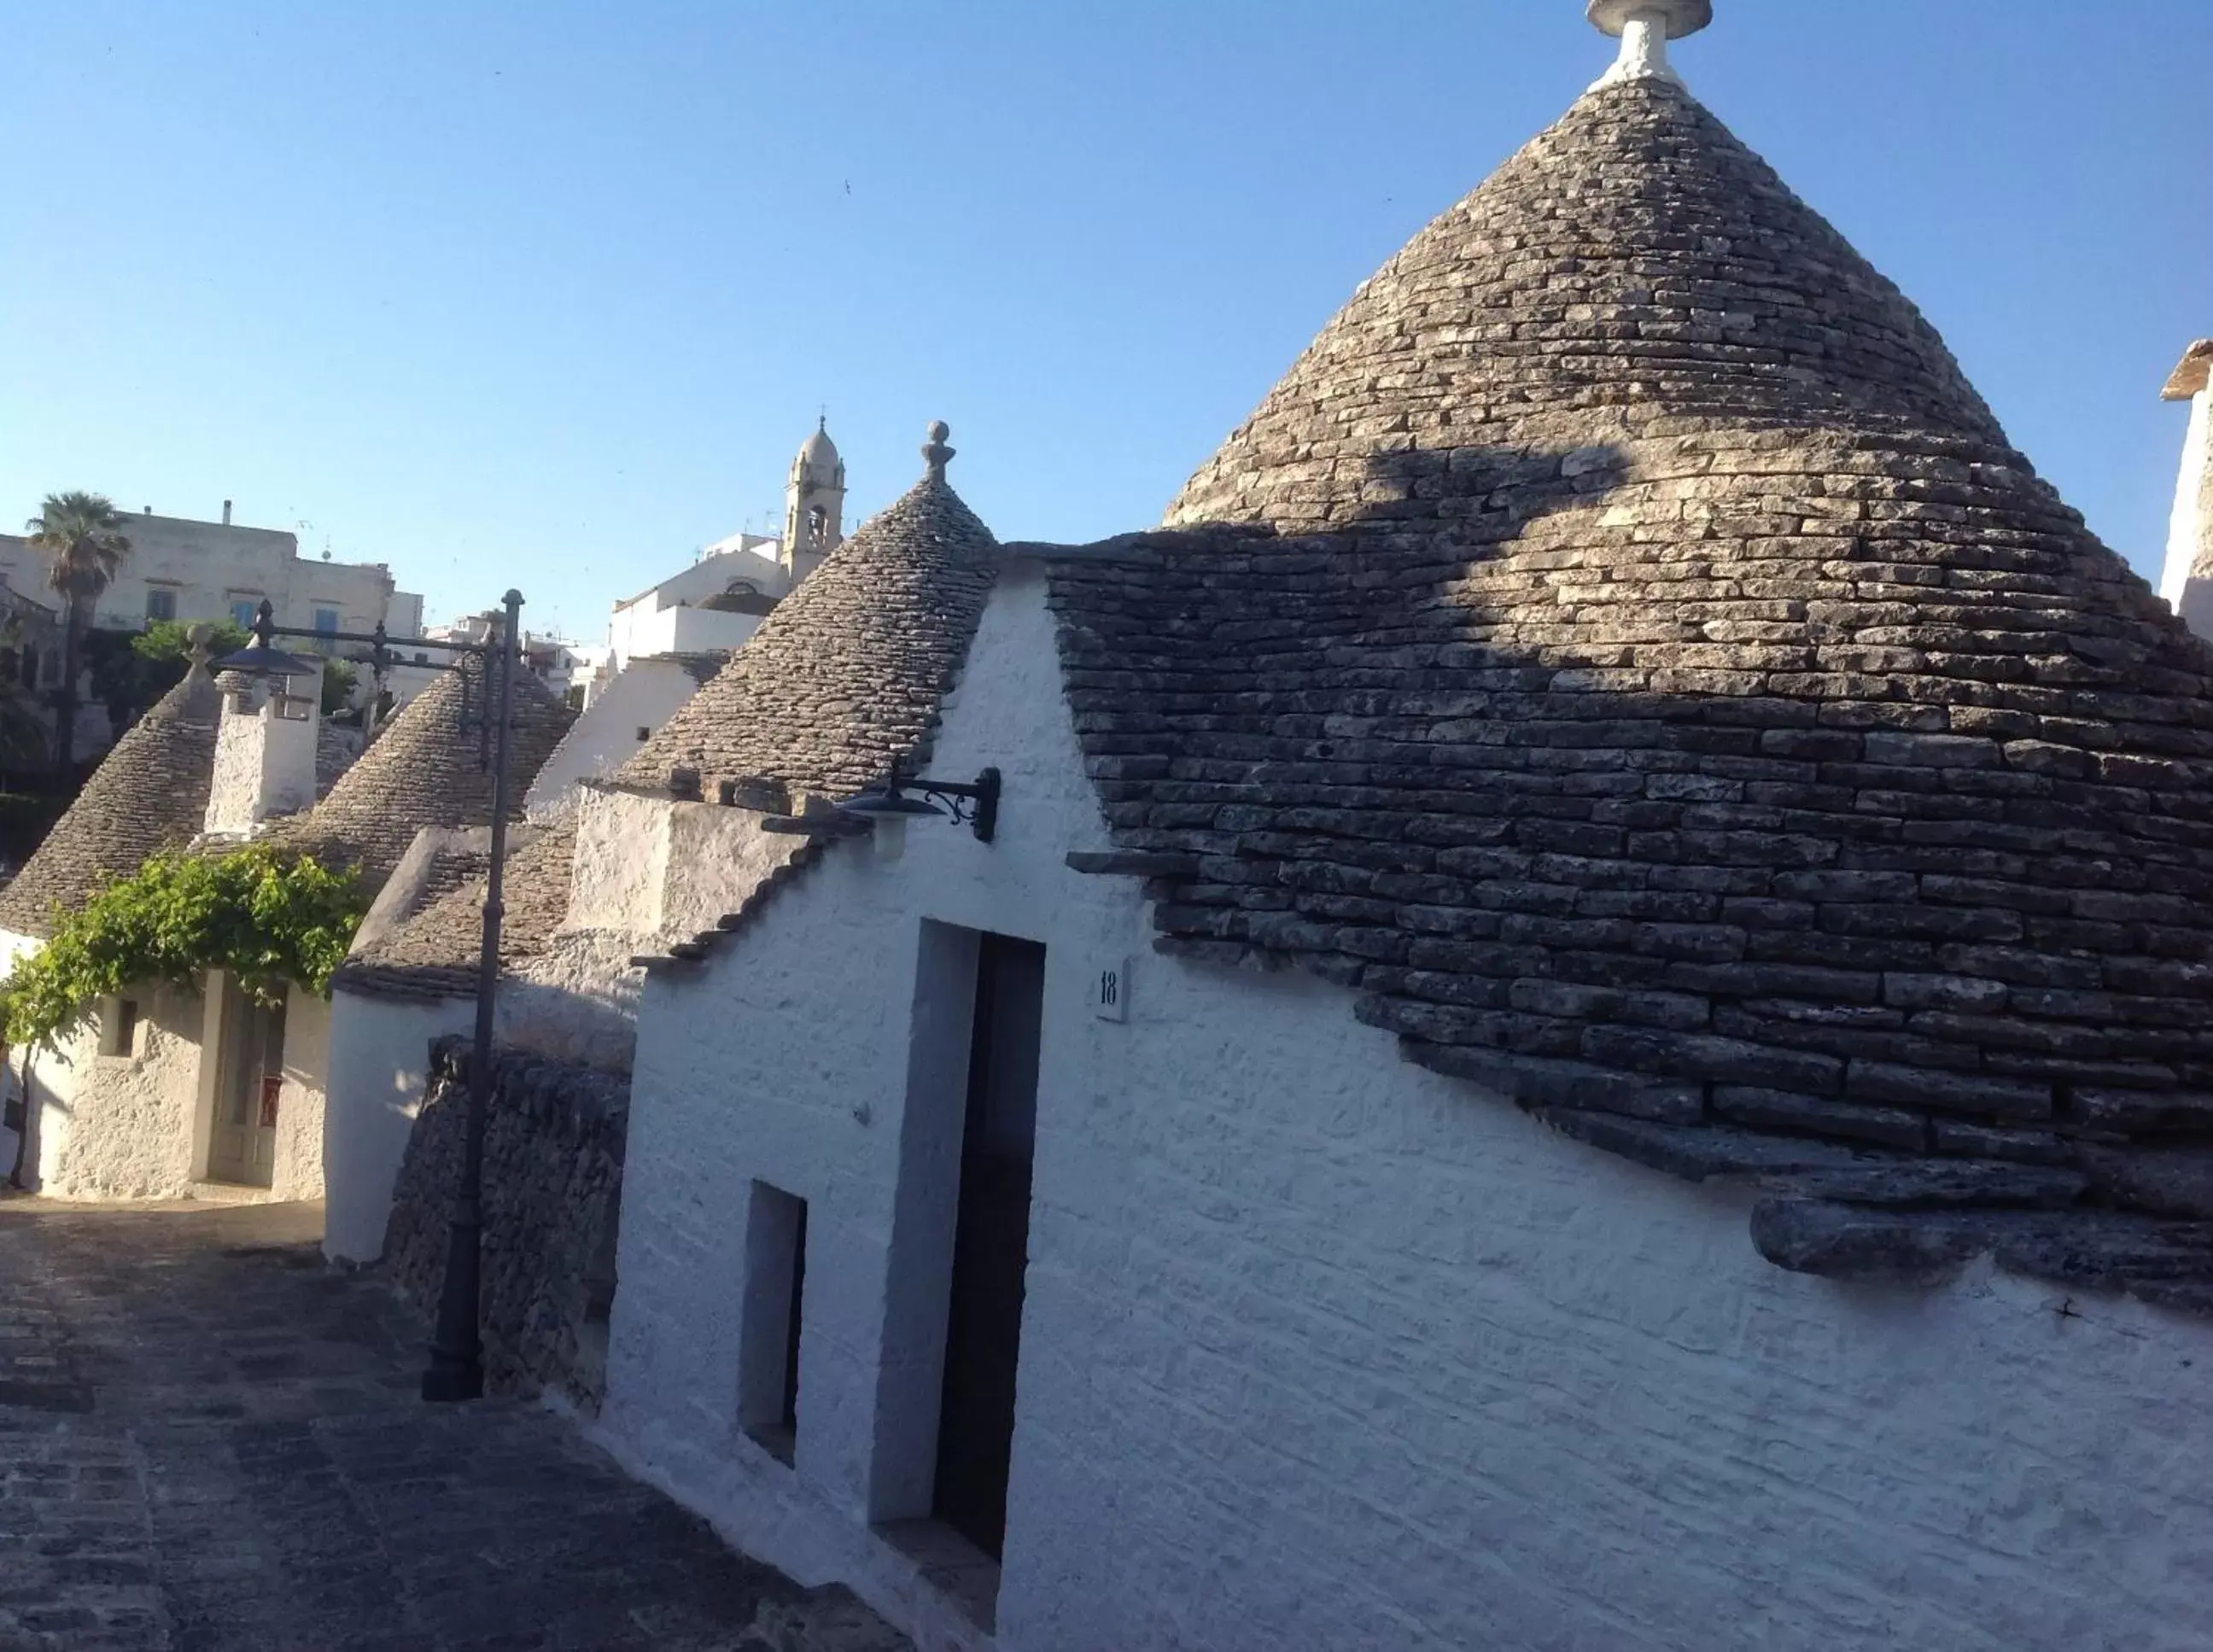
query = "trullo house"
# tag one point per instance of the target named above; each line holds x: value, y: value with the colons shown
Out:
x: 160, y: 1089
x: 1582, y: 1021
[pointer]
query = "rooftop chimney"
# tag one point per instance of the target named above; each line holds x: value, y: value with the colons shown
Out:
x: 226, y: 513
x: 265, y: 752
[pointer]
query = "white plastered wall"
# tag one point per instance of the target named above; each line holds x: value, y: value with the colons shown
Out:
x: 644, y: 697
x: 123, y: 1125
x: 2190, y: 528
x: 264, y: 760
x: 646, y: 872
x: 1320, y: 1350
x: 378, y: 1059
x: 298, y: 1171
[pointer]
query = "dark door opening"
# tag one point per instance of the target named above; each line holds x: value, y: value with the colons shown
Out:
x: 990, y: 1247
x: 788, y: 1414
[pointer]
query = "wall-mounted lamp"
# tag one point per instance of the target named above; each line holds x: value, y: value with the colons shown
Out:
x: 884, y: 809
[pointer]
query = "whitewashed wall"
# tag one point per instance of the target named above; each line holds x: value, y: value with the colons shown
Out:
x: 298, y: 1171
x: 646, y: 872
x: 379, y: 1053
x: 606, y: 735
x: 1322, y: 1350
x: 121, y: 1126
x: 2190, y: 527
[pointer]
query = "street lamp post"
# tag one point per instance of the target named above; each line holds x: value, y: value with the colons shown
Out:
x: 456, y: 1368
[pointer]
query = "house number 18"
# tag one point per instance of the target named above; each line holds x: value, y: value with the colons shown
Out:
x: 1110, y: 990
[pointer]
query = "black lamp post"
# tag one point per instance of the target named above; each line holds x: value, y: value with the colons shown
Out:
x: 456, y: 1368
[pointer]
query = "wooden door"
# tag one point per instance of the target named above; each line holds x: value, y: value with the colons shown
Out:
x: 250, y: 1079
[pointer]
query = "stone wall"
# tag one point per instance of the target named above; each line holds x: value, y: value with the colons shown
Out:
x: 552, y: 1176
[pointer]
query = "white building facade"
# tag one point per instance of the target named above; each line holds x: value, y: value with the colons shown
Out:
x: 716, y: 603
x: 186, y: 571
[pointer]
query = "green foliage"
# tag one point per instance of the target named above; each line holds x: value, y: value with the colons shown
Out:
x: 167, y: 640
x: 81, y: 536
x: 339, y: 679
x: 268, y: 917
x: 132, y: 669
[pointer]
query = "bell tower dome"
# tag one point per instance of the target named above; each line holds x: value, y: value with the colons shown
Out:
x: 814, y: 505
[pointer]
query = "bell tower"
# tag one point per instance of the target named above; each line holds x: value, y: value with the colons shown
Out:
x: 813, y: 506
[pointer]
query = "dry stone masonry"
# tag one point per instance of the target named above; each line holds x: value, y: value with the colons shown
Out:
x: 435, y: 955
x: 1626, y: 650
x: 552, y: 1181
x: 150, y: 793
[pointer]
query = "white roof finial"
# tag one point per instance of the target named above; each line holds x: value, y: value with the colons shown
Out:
x: 1645, y: 27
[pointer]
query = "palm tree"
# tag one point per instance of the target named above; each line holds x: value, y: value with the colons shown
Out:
x: 82, y: 536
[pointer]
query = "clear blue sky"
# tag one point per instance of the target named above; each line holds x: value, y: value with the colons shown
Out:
x: 547, y: 294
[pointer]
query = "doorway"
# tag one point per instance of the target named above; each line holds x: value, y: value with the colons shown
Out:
x: 991, y: 1251
x: 249, y: 1083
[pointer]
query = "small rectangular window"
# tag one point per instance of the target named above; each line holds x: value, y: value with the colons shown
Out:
x: 118, y: 1027
x: 326, y: 622
x: 245, y: 610
x: 770, y: 1332
x: 161, y: 604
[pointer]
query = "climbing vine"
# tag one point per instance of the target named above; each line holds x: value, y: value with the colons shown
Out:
x: 269, y: 918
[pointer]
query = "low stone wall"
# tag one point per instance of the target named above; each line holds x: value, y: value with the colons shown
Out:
x: 552, y: 1179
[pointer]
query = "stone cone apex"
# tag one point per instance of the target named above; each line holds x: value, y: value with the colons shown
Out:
x: 1645, y: 27
x: 1634, y: 268
x: 846, y: 673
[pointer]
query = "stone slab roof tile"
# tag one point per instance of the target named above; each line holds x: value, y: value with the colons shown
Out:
x: 150, y: 793
x: 1627, y: 653
x: 435, y: 955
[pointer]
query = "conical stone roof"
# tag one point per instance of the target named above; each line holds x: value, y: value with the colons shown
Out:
x: 150, y: 793
x: 845, y: 674
x: 1633, y: 270
x: 1626, y: 650
x: 424, y: 769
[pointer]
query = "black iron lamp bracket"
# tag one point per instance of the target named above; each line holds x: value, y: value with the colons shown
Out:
x: 974, y: 804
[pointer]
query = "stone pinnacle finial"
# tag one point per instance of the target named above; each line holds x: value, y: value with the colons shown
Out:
x: 935, y: 453
x: 1645, y: 27
x: 197, y: 640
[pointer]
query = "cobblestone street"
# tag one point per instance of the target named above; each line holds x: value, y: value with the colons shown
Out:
x: 210, y: 1440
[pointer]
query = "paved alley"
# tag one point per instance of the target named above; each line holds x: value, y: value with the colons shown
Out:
x: 210, y: 1440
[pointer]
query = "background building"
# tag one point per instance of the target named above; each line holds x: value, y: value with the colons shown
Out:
x: 188, y: 570
x: 716, y: 603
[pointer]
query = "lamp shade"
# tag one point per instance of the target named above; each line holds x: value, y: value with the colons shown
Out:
x: 260, y: 662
